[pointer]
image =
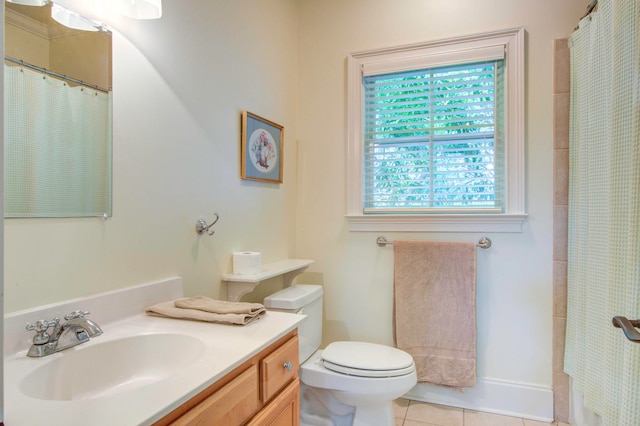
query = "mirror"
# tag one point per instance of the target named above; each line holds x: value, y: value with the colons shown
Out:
x: 57, y: 117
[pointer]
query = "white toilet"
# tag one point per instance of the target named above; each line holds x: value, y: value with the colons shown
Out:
x: 347, y: 383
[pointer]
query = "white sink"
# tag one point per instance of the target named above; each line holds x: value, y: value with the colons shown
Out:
x: 111, y: 367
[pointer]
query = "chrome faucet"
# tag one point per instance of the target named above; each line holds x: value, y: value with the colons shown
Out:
x: 76, y: 330
x: 78, y: 318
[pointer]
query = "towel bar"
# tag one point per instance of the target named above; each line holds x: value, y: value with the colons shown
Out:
x: 483, y: 243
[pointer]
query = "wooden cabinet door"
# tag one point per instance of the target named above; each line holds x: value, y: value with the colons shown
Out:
x: 279, y: 368
x: 232, y: 405
x: 284, y: 410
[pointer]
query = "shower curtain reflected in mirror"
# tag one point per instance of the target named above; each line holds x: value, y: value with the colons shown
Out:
x: 57, y: 147
x: 604, y: 213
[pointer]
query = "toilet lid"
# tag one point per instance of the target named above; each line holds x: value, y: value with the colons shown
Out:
x: 367, y: 359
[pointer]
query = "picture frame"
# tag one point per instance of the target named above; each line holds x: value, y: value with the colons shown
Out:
x: 261, y: 151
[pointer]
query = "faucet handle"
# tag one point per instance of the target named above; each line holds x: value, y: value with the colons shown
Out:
x: 41, y: 327
x: 76, y: 315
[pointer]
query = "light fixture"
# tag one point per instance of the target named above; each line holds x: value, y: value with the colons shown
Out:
x: 136, y: 9
x: 139, y: 9
x: 30, y: 2
x: 73, y: 20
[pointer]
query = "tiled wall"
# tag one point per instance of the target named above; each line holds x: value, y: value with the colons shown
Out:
x: 561, y: 89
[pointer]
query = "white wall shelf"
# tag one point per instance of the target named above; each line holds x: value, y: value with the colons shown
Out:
x: 239, y: 285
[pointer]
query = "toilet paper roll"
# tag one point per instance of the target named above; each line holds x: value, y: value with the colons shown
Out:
x: 247, y: 262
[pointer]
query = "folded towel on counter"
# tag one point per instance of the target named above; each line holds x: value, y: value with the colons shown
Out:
x: 207, y: 304
x: 435, y: 311
x: 241, y: 316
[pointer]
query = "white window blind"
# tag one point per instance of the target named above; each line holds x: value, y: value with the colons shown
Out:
x: 434, y: 140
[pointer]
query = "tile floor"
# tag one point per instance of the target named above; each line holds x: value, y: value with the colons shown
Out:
x: 414, y: 413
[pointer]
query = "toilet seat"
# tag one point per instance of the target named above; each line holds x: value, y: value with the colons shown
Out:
x: 367, y: 360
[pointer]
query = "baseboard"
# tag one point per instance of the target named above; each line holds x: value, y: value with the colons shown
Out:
x: 523, y: 400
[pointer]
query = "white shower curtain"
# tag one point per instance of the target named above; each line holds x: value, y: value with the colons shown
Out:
x: 57, y: 147
x: 604, y: 211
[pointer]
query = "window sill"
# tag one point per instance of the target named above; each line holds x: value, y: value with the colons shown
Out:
x: 437, y: 223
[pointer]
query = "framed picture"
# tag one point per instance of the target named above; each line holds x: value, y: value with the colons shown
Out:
x: 261, y: 149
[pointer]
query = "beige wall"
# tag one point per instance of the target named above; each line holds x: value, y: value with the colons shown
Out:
x: 180, y: 84
x: 85, y: 56
x: 515, y: 276
x: 82, y: 55
x: 26, y: 46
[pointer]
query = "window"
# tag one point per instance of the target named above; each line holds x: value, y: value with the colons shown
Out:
x: 436, y: 136
x: 431, y: 140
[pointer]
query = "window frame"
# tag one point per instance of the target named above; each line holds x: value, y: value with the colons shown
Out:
x: 427, y: 55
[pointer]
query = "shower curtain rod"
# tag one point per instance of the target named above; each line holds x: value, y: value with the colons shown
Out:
x: 590, y: 8
x: 53, y: 73
x: 588, y: 12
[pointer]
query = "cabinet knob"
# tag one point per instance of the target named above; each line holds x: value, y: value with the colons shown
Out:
x: 288, y: 366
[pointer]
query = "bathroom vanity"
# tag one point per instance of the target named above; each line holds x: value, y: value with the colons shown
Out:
x: 264, y: 390
x: 154, y: 371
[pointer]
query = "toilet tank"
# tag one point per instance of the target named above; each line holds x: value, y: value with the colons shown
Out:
x: 305, y: 299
